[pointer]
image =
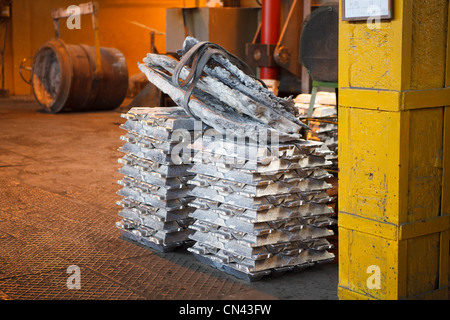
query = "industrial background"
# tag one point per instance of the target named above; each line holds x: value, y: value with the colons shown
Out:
x: 76, y: 105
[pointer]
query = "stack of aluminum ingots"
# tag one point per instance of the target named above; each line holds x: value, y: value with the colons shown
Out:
x: 155, y: 190
x: 325, y: 128
x: 260, y: 209
x: 259, y: 190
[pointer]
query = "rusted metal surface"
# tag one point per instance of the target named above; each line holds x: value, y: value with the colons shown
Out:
x: 64, y: 77
x: 260, y: 55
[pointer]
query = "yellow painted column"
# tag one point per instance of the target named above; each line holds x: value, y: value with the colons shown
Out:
x: 394, y: 154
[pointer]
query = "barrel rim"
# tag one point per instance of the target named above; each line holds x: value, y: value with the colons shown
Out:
x: 65, y: 63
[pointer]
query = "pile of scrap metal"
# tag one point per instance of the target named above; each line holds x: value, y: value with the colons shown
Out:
x: 222, y: 93
x: 258, y: 190
x: 324, y: 126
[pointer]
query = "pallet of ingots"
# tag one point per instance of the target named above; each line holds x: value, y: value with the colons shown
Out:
x: 263, y: 210
x: 325, y: 131
x: 155, y: 177
x: 260, y: 210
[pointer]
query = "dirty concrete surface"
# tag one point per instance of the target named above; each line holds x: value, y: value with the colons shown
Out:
x: 58, y: 184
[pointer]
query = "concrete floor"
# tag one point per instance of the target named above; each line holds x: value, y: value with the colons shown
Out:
x: 58, y: 208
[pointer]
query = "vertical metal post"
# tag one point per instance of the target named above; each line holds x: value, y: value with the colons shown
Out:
x: 98, y: 60
x: 270, y: 32
x: 85, y: 8
x: 306, y: 85
x: 3, y: 54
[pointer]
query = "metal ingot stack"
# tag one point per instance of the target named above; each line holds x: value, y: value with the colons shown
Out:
x: 325, y: 127
x: 260, y: 210
x: 155, y: 178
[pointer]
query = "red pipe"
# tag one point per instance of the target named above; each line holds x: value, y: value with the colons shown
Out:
x: 270, y: 32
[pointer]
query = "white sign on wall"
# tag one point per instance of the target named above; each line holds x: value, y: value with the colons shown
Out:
x: 354, y: 10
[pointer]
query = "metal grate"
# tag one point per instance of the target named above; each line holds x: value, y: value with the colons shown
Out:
x: 58, y: 208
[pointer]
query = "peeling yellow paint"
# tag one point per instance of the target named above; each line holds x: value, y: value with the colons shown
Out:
x: 394, y: 146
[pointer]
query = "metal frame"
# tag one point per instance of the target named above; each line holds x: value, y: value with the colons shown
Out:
x: 312, y: 102
x: 85, y: 8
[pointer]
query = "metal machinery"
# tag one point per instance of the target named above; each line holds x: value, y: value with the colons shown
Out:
x: 279, y: 54
x: 267, y: 38
x: 275, y: 52
x: 78, y: 77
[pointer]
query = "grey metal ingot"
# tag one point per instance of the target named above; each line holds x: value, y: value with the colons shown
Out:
x: 162, y: 146
x: 156, y: 133
x: 154, y: 200
x: 156, y: 239
x: 155, y: 213
x: 258, y: 178
x: 252, y: 203
x: 155, y: 168
x: 159, y: 134
x: 304, y: 209
x: 151, y: 221
x: 218, y: 236
x: 274, y: 166
x: 152, y: 154
x: 238, y: 223
x: 157, y: 191
x: 263, y: 151
x: 152, y: 132
x: 263, y: 189
x: 260, y: 159
x: 157, y: 236
x: 168, y: 119
x: 238, y: 248
x: 293, y: 258
x: 139, y: 173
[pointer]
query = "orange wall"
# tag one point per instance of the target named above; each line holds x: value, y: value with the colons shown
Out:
x: 8, y: 54
x: 32, y: 25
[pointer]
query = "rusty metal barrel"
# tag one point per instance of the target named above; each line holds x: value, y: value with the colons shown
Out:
x: 64, y: 77
x: 319, y: 44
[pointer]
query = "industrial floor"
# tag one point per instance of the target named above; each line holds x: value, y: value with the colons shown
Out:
x: 58, y: 208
